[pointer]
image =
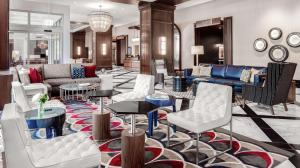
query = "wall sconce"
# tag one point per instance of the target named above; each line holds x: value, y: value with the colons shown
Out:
x: 162, y: 42
x: 103, y: 49
x: 78, y: 50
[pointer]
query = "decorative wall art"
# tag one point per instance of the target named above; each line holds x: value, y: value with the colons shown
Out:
x: 275, y: 33
x: 293, y: 39
x: 278, y: 53
x: 260, y: 44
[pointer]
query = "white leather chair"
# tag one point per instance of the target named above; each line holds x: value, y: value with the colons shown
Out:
x: 20, y: 97
x: 74, y: 150
x: 144, y: 86
x: 212, y: 109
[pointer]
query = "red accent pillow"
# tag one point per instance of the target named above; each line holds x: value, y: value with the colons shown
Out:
x: 90, y: 71
x: 35, y: 76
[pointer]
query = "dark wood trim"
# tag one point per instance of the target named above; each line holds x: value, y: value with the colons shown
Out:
x: 227, y: 40
x: 5, y: 84
x: 4, y: 27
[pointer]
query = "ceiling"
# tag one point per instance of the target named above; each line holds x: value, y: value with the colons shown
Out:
x: 123, y: 11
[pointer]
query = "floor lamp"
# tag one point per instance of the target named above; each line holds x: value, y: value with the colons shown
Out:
x: 197, y: 50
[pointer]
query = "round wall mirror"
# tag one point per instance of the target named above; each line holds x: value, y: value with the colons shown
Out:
x: 293, y: 39
x: 275, y: 33
x: 260, y: 44
x: 278, y: 53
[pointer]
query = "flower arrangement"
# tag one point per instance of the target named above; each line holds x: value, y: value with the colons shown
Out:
x: 40, y: 100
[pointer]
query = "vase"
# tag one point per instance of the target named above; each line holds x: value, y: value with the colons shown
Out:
x: 41, y: 110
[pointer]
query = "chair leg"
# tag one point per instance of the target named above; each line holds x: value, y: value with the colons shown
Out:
x: 197, y: 148
x: 227, y: 150
x: 272, y: 110
x: 285, y: 107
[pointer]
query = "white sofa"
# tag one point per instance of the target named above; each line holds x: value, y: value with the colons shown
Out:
x: 74, y: 150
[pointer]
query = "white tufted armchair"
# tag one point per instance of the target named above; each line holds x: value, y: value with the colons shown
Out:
x: 144, y: 86
x: 21, y: 99
x: 212, y: 109
x: 74, y: 150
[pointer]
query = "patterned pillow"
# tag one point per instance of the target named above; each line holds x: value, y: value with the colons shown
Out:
x: 205, y: 71
x: 78, y: 72
x: 245, y: 76
x: 253, y: 73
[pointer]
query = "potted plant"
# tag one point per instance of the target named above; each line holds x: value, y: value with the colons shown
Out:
x: 40, y: 100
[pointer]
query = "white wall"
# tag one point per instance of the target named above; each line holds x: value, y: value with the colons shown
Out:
x: 251, y: 19
x: 43, y: 7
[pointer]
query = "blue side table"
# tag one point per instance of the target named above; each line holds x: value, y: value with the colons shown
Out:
x: 161, y: 101
x: 53, y: 119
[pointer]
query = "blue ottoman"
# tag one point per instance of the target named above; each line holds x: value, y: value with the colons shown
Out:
x: 161, y: 101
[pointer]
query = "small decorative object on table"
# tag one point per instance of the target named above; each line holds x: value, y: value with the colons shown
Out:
x: 40, y: 100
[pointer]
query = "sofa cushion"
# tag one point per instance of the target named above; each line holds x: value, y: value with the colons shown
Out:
x: 52, y: 71
x: 78, y: 72
x: 59, y: 81
x: 90, y: 71
x: 35, y: 76
x: 234, y: 72
x: 218, y: 71
x: 88, y: 80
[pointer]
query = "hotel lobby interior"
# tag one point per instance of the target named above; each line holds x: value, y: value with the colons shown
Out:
x: 149, y: 83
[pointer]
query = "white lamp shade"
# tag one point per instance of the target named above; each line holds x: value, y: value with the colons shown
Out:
x: 195, y: 50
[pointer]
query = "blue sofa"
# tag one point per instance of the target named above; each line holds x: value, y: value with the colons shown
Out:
x: 224, y: 74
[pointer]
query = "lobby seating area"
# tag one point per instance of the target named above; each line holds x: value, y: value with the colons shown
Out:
x: 149, y: 84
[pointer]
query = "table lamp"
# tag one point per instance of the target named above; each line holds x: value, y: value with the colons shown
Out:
x: 197, y: 50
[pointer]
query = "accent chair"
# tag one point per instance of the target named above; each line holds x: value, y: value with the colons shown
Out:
x: 74, y: 150
x: 144, y: 86
x: 212, y: 109
x: 20, y: 97
x: 275, y: 88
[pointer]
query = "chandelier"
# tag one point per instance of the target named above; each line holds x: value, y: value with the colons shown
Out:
x: 100, y: 21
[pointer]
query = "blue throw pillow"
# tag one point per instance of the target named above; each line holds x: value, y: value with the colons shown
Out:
x: 78, y: 72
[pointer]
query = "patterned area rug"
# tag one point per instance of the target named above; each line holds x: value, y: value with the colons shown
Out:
x: 246, y: 152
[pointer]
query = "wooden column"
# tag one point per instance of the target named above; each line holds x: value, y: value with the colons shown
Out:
x: 157, y: 21
x: 227, y: 35
x: 104, y: 56
x: 4, y: 27
x: 78, y: 40
x: 5, y: 76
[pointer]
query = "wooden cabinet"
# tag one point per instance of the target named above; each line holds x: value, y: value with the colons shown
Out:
x: 132, y: 64
x: 5, y: 84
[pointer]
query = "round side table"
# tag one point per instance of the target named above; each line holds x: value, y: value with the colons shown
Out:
x: 159, y: 100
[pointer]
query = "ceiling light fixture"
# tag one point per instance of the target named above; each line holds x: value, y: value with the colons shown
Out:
x: 100, y: 21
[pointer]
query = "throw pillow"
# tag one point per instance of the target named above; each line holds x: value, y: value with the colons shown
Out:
x: 24, y: 76
x: 35, y: 76
x: 253, y: 73
x: 205, y: 71
x: 245, y: 76
x: 78, y: 72
x: 90, y: 71
x: 196, y: 71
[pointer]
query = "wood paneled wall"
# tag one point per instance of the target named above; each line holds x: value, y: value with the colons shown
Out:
x: 104, y: 61
x: 4, y: 27
x: 78, y: 40
x: 156, y: 20
x: 228, y: 49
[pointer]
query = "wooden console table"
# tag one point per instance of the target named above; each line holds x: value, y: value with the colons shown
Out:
x: 132, y: 64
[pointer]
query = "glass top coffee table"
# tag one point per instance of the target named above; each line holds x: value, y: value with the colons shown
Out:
x: 74, y: 91
x: 53, y: 118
